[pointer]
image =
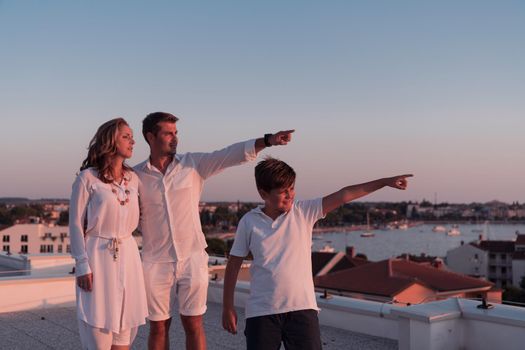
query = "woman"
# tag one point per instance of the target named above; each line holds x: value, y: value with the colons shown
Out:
x: 104, y: 211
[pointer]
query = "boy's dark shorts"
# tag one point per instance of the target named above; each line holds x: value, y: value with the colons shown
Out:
x: 296, y: 329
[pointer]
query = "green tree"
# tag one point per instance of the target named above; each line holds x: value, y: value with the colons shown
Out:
x: 224, y: 217
x: 63, y: 219
x: 5, y: 216
x: 216, y: 246
x: 514, y: 294
x: 243, y: 209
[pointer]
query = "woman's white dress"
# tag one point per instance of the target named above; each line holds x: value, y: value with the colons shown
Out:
x: 118, y: 298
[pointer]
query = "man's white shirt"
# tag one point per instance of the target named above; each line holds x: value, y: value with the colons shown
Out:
x: 281, y: 271
x: 169, y: 203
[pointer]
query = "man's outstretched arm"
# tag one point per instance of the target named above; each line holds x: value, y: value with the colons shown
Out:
x: 209, y: 164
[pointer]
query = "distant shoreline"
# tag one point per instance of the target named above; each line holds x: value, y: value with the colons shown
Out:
x: 468, y: 222
x: 353, y: 228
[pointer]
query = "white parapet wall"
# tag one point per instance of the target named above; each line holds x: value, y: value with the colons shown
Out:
x: 14, y: 261
x: 47, y: 282
x: 447, y: 324
x: 461, y: 324
x: 35, y: 264
x: 440, y: 325
x: 355, y: 315
x: 25, y: 293
x: 44, y: 261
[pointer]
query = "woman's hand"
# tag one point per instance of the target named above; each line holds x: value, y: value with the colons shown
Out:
x: 85, y: 282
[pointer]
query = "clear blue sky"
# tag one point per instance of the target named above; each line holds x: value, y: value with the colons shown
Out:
x: 373, y: 88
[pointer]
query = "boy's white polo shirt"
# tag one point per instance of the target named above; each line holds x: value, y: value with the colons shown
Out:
x: 281, y: 271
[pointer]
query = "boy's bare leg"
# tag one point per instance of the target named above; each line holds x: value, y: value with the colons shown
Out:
x: 194, y: 329
x: 159, y: 337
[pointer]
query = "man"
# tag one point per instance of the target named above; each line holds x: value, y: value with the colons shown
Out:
x: 175, y: 262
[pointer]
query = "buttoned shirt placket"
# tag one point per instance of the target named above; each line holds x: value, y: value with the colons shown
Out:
x: 163, y: 180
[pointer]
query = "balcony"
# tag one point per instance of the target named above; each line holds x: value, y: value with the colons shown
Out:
x: 56, y: 328
x: 47, y: 319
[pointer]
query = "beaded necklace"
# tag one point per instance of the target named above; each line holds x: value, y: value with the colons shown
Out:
x: 115, y: 187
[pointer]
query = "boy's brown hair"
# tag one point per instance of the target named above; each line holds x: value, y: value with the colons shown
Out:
x: 272, y: 174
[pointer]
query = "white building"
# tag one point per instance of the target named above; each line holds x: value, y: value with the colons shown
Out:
x: 35, y: 239
x: 468, y: 259
x: 519, y: 245
x: 500, y: 262
x: 518, y: 261
x: 518, y: 268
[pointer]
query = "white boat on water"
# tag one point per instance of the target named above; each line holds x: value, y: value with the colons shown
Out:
x: 454, y: 231
x: 327, y: 248
x: 439, y: 229
x: 368, y: 232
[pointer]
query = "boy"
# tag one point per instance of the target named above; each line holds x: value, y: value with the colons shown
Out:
x: 282, y: 305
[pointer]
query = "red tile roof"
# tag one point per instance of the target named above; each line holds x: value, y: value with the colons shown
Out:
x: 427, y: 260
x: 518, y: 256
x: 520, y: 239
x: 497, y: 246
x: 348, y: 262
x: 320, y: 259
x: 392, y: 276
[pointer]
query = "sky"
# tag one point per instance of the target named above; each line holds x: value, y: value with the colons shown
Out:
x: 372, y: 88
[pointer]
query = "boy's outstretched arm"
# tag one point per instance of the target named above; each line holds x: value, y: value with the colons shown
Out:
x: 229, y: 315
x: 349, y: 193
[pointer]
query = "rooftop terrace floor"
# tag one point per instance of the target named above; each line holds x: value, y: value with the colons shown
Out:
x: 56, y: 328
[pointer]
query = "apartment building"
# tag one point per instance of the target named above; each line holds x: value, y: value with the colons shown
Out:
x: 35, y: 239
x: 500, y: 262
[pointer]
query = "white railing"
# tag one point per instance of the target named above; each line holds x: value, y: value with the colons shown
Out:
x: 448, y: 324
x: 24, y: 293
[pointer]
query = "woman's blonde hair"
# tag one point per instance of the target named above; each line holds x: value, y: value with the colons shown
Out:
x: 102, y: 148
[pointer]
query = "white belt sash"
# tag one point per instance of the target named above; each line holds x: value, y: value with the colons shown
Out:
x: 113, y: 244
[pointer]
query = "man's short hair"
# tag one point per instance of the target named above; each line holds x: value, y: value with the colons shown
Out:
x: 152, y: 120
x: 272, y: 174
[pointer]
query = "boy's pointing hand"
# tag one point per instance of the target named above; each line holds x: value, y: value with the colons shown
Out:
x: 400, y: 182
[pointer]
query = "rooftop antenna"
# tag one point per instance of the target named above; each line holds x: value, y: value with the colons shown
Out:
x: 484, y: 305
x: 326, y: 295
